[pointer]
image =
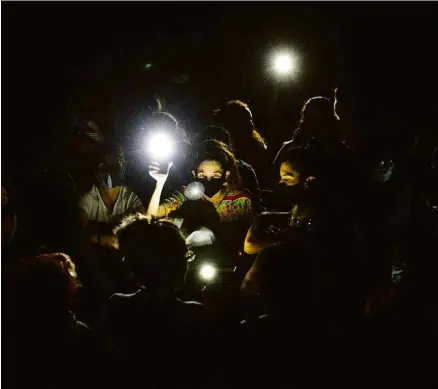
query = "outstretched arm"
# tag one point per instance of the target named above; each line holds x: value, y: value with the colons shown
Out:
x: 155, y: 209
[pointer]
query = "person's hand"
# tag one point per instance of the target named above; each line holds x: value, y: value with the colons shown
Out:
x: 156, y: 173
x: 274, y: 230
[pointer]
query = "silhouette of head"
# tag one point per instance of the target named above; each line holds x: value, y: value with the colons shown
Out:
x: 154, y: 250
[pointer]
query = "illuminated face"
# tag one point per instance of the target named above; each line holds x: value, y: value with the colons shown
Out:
x: 288, y: 175
x: 210, y: 170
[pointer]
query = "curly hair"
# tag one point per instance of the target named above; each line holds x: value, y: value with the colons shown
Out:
x: 214, y: 150
x: 155, y: 250
x: 46, y: 281
x: 168, y: 121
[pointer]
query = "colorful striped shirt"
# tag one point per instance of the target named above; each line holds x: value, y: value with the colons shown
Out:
x: 235, y: 205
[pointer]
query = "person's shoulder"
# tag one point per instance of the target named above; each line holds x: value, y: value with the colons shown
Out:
x: 120, y: 300
x: 91, y: 193
x: 287, y: 143
x: 127, y: 192
x: 116, y: 297
x: 195, y: 305
x: 89, y: 199
x: 258, y: 320
x: 192, y: 311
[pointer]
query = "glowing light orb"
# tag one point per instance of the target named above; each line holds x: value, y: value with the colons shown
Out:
x: 207, y: 272
x: 160, y: 146
x: 284, y: 64
x: 194, y: 191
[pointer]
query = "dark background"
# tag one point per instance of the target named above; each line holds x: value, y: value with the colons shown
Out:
x: 61, y: 59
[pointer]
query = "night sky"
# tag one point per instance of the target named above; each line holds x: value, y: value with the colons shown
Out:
x: 61, y: 59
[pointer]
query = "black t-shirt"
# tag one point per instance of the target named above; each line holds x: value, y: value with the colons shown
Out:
x: 250, y: 184
x: 166, y: 343
x: 67, y: 354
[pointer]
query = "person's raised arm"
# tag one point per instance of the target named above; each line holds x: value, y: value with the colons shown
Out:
x: 155, y: 209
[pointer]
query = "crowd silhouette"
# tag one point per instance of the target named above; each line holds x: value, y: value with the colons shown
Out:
x: 321, y: 262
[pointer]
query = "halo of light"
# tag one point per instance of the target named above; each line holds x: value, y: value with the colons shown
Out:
x: 194, y: 191
x: 160, y: 145
x: 207, y: 272
x: 284, y: 63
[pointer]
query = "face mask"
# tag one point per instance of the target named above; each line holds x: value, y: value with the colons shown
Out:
x: 286, y: 196
x: 110, y: 180
x: 212, y: 185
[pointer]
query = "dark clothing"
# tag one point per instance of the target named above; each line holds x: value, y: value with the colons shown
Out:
x: 44, y: 354
x: 250, y: 184
x: 164, y: 344
x: 256, y: 156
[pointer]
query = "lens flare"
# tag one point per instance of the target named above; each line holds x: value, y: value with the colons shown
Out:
x: 284, y: 64
x: 160, y: 146
x: 207, y: 272
x: 194, y: 191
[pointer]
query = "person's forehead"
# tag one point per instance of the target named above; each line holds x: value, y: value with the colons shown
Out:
x: 287, y: 166
x: 210, y: 165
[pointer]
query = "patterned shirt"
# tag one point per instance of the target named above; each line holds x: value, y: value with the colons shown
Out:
x: 235, y: 205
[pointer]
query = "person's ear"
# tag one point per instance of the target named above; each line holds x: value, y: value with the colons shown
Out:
x: 227, y: 174
x: 193, y: 174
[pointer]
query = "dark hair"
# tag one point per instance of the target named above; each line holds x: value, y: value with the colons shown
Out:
x: 155, y: 250
x: 167, y: 121
x: 316, y: 111
x: 46, y: 282
x: 320, y: 105
x: 215, y: 133
x: 300, y: 158
x: 214, y: 150
x: 237, y: 113
x: 115, y: 150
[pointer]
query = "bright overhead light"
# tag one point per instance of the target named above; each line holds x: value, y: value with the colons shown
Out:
x: 160, y: 146
x: 284, y: 63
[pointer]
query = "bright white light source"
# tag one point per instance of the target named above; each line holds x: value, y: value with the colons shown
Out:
x: 284, y: 64
x: 160, y: 146
x: 194, y: 191
x: 207, y: 272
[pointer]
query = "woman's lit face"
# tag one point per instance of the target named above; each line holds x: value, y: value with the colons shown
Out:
x: 209, y: 170
x: 288, y: 175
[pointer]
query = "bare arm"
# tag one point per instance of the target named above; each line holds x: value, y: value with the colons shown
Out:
x: 154, y: 208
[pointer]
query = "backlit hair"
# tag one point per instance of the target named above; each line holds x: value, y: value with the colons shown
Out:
x: 236, y: 109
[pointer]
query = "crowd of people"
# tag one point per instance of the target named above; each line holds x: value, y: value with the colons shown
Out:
x: 321, y: 258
